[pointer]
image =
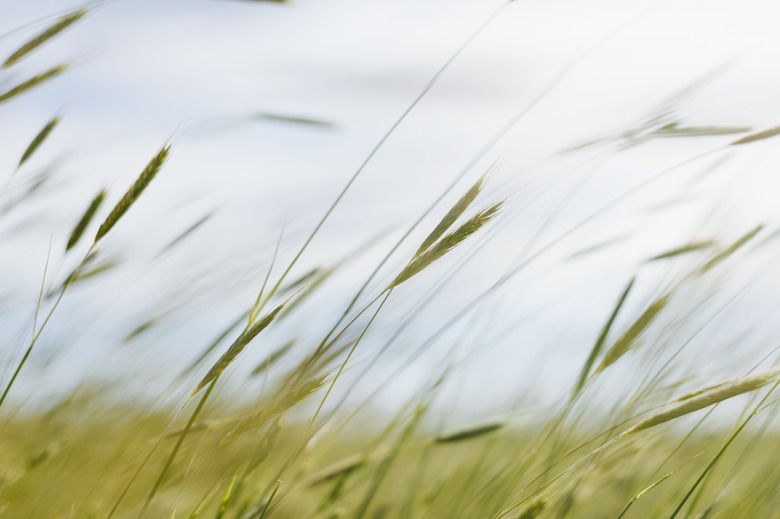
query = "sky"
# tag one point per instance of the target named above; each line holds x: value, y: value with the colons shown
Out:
x: 533, y: 80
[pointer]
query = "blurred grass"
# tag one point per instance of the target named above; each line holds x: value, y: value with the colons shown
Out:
x: 619, y: 445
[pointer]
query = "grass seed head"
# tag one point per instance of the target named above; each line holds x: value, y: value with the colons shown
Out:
x: 78, y: 231
x: 50, y: 32
x: 452, y: 215
x: 708, y: 396
x: 38, y: 140
x: 134, y: 192
x: 33, y: 82
x: 237, y: 347
x: 446, y: 244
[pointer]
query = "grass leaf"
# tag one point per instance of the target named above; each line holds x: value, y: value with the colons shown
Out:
x: 757, y: 136
x: 597, y: 347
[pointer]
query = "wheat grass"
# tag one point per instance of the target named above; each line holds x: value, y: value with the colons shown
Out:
x: 236, y: 348
x: 446, y: 244
x: 34, y: 81
x: 49, y: 33
x: 147, y: 175
x: 626, y: 341
x: 85, y: 219
x: 709, y: 396
x: 38, y: 140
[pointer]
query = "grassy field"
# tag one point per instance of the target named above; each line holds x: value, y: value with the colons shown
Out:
x: 639, y: 431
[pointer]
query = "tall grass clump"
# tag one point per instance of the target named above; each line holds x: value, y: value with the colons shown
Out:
x: 496, y: 356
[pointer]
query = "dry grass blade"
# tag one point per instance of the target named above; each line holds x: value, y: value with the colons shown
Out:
x: 758, y: 136
x: 134, y: 192
x: 281, y: 403
x: 237, y: 347
x: 685, y: 249
x: 628, y: 339
x: 38, y: 140
x: 602, y: 339
x: 452, y: 215
x: 78, y: 231
x: 470, y: 433
x: 50, y: 32
x: 731, y: 250
x: 710, y: 396
x: 446, y: 244
x: 33, y: 82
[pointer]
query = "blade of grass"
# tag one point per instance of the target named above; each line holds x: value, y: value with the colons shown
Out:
x: 602, y: 339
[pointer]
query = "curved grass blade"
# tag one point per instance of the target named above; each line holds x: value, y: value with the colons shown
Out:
x: 650, y: 487
x: 134, y: 192
x: 33, y: 82
x: 757, y: 136
x: 189, y: 230
x: 54, y: 29
x: 78, y: 231
x: 38, y: 140
x: 685, y: 249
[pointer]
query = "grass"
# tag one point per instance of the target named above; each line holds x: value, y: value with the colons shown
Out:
x: 638, y: 431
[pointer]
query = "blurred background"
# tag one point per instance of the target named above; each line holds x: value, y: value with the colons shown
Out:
x: 606, y: 124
